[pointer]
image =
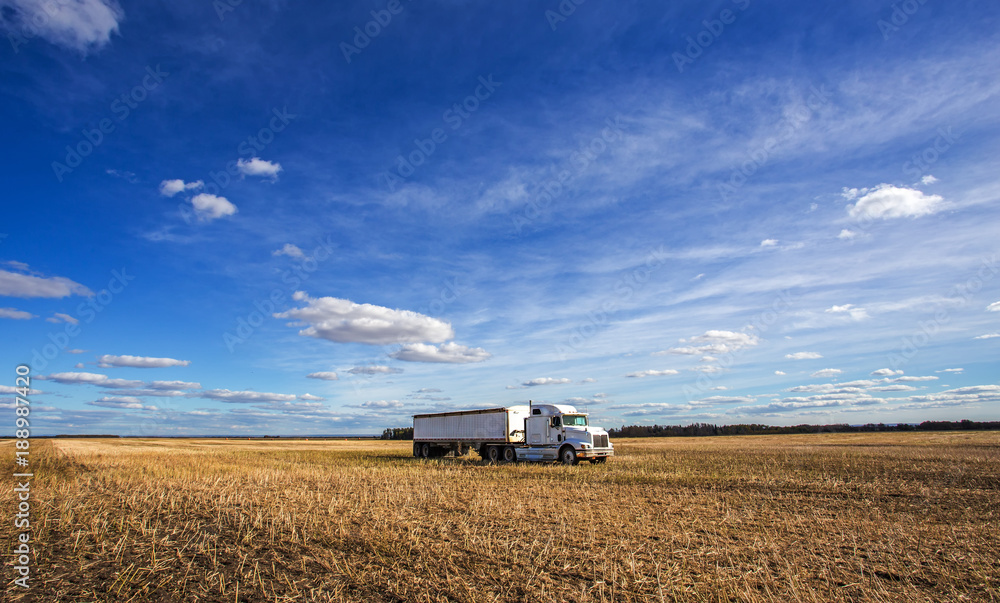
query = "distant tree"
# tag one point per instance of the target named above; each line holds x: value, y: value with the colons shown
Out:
x: 705, y: 429
x: 397, y: 433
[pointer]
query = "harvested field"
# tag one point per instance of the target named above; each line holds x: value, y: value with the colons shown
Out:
x: 823, y: 517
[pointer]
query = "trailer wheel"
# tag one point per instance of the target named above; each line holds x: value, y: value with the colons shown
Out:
x: 493, y: 454
x: 509, y: 455
x: 425, y: 450
x: 567, y: 455
x: 416, y: 449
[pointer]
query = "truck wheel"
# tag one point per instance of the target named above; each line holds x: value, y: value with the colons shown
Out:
x: 425, y: 450
x: 493, y: 454
x: 416, y: 449
x: 599, y: 460
x: 567, y: 455
x: 509, y: 455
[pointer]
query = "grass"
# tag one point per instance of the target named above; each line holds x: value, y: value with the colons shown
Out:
x: 824, y: 517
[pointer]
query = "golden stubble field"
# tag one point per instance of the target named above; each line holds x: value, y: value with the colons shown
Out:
x: 858, y: 517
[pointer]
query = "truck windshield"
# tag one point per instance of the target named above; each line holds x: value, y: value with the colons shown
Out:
x: 575, y: 420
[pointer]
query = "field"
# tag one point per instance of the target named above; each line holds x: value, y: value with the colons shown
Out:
x: 822, y: 517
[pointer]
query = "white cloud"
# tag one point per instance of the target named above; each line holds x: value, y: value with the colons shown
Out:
x: 928, y: 179
x: 344, y: 321
x: 803, y: 356
x: 830, y: 372
x: 258, y: 167
x: 450, y: 352
x: 708, y: 369
x: 296, y: 407
x: 93, y: 379
x: 961, y: 396
x: 19, y: 284
x: 913, y: 379
x: 724, y: 400
x: 987, y: 336
x: 59, y: 317
x: 769, y: 242
x: 15, y: 314
x: 994, y: 307
x: 713, y: 342
x: 169, y: 188
x: 540, y: 381
x: 850, y: 310
x: 846, y: 234
x: 290, y: 250
x: 779, y: 372
x: 653, y: 373
x: 209, y: 207
x: 886, y: 372
x: 81, y: 25
x: 951, y: 370
x: 382, y: 404
x: 899, y: 387
x: 242, y: 397
x: 887, y: 201
x: 375, y: 369
x: 974, y: 389
x: 311, y: 398
x: 324, y: 375
x: 175, y: 385
x: 652, y: 408
x: 10, y: 390
x: 108, y: 361
x: 588, y: 380
x: 124, y: 402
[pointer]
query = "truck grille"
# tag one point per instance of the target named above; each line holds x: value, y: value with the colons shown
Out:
x: 600, y: 441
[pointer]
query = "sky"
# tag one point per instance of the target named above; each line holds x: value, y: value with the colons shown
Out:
x: 236, y: 218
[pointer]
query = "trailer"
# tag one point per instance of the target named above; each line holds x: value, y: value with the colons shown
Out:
x: 531, y: 432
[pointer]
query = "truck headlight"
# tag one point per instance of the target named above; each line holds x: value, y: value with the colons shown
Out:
x: 585, y: 446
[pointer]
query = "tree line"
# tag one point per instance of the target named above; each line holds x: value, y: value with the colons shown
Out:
x: 398, y: 433
x: 707, y: 429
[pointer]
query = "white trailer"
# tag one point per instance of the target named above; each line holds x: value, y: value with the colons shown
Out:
x: 532, y: 432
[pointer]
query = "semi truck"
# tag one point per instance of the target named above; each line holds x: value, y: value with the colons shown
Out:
x: 531, y: 432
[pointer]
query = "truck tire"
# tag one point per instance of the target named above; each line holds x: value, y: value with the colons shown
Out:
x: 416, y: 449
x: 493, y: 454
x: 509, y: 455
x: 425, y: 450
x: 599, y: 460
x: 567, y: 455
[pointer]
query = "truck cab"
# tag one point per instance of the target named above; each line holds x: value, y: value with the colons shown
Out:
x: 560, y: 432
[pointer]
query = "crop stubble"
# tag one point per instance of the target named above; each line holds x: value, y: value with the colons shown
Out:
x: 822, y: 517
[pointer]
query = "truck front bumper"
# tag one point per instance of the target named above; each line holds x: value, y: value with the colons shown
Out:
x: 594, y: 453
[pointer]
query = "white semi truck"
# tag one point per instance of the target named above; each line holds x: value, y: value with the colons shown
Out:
x: 532, y: 432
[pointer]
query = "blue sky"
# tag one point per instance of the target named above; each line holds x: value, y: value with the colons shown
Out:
x: 287, y: 218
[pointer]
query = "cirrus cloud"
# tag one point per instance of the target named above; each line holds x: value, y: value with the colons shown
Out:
x: 81, y: 25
